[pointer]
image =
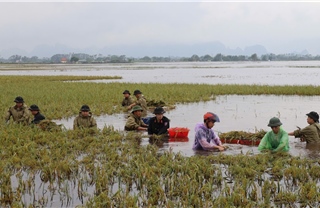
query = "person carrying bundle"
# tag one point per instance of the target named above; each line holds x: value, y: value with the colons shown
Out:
x: 311, y: 133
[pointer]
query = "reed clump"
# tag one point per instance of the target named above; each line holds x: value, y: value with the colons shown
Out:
x: 243, y: 135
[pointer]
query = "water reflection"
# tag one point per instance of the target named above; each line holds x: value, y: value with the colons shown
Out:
x: 237, y: 113
x: 262, y: 73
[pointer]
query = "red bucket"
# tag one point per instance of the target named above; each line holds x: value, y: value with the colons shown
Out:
x: 178, y: 132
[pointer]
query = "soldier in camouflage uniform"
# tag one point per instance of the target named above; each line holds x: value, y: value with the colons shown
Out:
x: 141, y: 101
x: 311, y: 133
x: 127, y: 100
x: 134, y: 121
x: 84, y: 119
x: 19, y: 112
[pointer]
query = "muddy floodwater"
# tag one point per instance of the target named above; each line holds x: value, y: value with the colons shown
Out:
x: 237, y: 113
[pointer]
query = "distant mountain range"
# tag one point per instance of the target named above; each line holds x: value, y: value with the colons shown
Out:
x: 175, y: 50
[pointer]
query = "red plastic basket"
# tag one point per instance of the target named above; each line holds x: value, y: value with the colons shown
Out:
x: 184, y: 139
x: 178, y: 132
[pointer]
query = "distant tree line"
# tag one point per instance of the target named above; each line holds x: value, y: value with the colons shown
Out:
x: 82, y: 58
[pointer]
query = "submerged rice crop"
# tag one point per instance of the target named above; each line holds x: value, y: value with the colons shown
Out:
x: 69, y: 168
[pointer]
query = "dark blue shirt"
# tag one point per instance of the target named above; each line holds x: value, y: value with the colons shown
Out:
x: 37, y: 118
x: 160, y: 127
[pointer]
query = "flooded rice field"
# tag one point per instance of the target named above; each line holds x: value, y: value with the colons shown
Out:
x: 243, y: 113
x: 237, y: 113
x: 124, y: 176
x: 262, y: 73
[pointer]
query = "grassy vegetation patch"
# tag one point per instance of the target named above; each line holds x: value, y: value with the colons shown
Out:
x: 58, y: 99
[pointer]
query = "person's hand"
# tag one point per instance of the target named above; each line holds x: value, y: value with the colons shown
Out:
x: 225, y: 147
x: 129, y: 107
x: 221, y: 148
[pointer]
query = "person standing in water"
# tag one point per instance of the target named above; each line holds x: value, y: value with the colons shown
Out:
x: 205, y: 137
x: 277, y: 139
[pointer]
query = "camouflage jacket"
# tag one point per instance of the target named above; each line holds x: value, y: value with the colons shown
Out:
x: 310, y: 133
x: 143, y: 103
x: 20, y: 115
x: 133, y: 123
x: 81, y: 122
x: 127, y: 101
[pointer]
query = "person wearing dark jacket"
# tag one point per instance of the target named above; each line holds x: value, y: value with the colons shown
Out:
x: 35, y: 111
x: 158, y: 124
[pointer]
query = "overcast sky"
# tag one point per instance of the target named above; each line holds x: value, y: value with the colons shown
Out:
x: 279, y: 26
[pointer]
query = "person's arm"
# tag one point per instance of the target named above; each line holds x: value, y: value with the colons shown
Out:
x: 123, y: 102
x: 216, y: 139
x: 133, y: 104
x: 302, y: 133
x: 295, y: 133
x: 144, y: 125
x: 131, y: 124
x: 143, y: 103
x: 8, y: 115
x: 93, y: 123
x: 209, y: 146
x: 150, y: 127
x: 206, y: 145
x: 75, y: 124
x: 142, y: 128
x: 263, y: 145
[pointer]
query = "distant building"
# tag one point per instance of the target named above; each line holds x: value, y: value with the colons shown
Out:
x: 64, y: 60
x: 82, y: 61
